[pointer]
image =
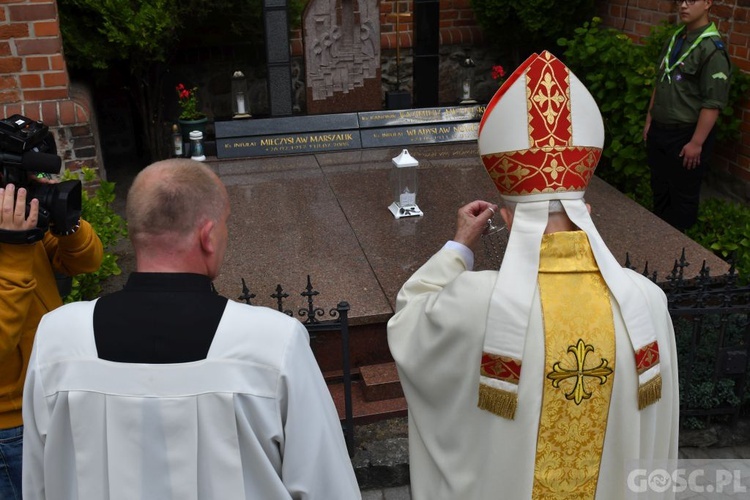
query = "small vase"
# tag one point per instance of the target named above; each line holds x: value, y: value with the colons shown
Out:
x: 187, y: 126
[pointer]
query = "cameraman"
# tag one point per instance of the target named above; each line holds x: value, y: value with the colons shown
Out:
x: 28, y: 290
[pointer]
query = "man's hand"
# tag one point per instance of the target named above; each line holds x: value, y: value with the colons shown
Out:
x: 691, y: 155
x: 472, y: 222
x: 13, y: 210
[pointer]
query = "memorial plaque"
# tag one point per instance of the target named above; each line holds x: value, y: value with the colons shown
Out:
x: 338, y: 132
x: 420, y: 134
x: 394, y: 118
x: 285, y: 144
x: 286, y: 125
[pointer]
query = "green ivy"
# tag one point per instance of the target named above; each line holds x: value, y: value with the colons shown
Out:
x: 109, y: 226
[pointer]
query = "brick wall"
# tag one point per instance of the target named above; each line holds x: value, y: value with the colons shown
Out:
x: 458, y: 25
x: 34, y: 80
x: 732, y: 17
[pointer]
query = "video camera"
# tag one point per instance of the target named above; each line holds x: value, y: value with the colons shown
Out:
x: 27, y: 149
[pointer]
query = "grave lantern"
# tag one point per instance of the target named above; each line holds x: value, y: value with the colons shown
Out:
x: 404, y: 183
x: 466, y: 81
x: 240, y: 104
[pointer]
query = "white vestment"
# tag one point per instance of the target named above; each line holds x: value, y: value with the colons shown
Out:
x: 254, y: 420
x: 459, y: 451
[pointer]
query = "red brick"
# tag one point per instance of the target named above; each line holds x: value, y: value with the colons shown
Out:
x: 13, y: 109
x: 385, y: 8
x: 4, y: 49
x: 738, y: 52
x: 47, y: 28
x: 49, y: 112
x: 80, y: 130
x: 10, y: 65
x: 406, y: 40
x: 30, y: 81
x: 67, y: 113
x: 448, y: 14
x: 37, y: 46
x: 17, y: 30
x: 32, y: 12
x: 31, y: 110
x: 82, y: 115
x: 8, y: 82
x: 58, y: 79
x: 57, y: 62
x: 45, y: 94
x: 9, y: 96
x: 40, y: 63
x: 2, y: 15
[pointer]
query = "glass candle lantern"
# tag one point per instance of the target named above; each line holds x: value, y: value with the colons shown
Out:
x: 240, y: 104
x: 196, y: 146
x: 466, y: 81
x: 404, y: 184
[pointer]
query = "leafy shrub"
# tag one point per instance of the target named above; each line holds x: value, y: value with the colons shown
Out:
x: 724, y: 228
x: 110, y: 227
x: 531, y: 25
x: 701, y: 387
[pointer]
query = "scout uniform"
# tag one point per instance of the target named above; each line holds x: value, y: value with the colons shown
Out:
x: 693, y: 74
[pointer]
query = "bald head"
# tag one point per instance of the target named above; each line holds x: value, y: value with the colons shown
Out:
x: 172, y: 198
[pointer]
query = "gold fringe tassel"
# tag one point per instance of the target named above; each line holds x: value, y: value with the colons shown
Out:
x: 501, y: 403
x: 649, y: 393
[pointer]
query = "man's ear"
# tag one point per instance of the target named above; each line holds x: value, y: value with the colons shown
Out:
x: 205, y: 234
x: 507, y: 216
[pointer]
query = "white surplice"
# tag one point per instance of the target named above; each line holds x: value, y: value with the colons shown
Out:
x: 458, y: 451
x: 254, y: 420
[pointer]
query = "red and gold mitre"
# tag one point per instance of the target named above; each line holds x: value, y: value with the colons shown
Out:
x: 542, y: 133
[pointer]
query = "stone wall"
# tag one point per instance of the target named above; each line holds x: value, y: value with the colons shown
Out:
x: 34, y: 81
x: 636, y: 17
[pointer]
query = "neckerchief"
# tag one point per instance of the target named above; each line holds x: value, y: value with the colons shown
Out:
x: 668, y: 68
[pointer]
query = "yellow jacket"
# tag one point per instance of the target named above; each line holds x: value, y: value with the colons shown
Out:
x: 28, y: 290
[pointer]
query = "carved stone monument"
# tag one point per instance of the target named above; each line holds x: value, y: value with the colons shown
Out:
x: 342, y: 56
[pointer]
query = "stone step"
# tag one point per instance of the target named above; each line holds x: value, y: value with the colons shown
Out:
x: 380, y: 382
x: 364, y: 411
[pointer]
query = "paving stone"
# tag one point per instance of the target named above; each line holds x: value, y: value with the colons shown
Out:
x: 399, y: 493
x: 372, y: 494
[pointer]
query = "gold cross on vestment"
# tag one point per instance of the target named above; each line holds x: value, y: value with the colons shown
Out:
x: 579, y: 392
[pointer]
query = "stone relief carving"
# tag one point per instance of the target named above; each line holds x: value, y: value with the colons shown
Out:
x: 342, y: 45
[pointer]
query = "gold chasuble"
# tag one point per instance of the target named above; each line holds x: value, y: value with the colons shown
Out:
x: 579, y: 368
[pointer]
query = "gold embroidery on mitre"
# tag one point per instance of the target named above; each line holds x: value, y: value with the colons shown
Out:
x: 542, y: 170
x: 548, y: 102
x: 580, y: 357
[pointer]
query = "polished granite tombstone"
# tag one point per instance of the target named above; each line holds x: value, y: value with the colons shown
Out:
x: 326, y: 215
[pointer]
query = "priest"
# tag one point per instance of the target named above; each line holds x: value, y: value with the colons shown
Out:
x: 556, y: 376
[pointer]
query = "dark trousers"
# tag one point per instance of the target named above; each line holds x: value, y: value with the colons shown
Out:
x: 676, y: 189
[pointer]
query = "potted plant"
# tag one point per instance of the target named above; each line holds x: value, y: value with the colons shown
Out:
x: 191, y: 117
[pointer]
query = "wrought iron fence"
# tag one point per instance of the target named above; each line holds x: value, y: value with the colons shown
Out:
x: 315, y: 320
x: 711, y: 316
